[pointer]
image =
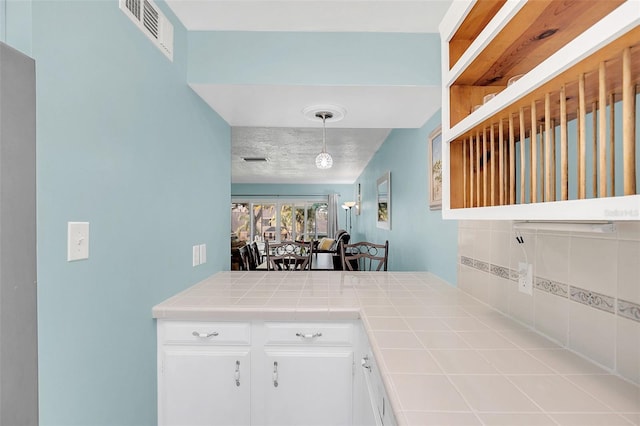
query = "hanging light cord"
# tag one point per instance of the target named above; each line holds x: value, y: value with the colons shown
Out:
x: 324, y: 130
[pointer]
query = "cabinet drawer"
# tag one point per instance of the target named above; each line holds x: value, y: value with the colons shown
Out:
x: 309, y: 334
x: 204, y: 333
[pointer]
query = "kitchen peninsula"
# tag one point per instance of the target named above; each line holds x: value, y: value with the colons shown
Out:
x: 444, y: 357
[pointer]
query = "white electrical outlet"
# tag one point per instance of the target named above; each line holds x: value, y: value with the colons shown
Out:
x: 203, y: 253
x: 196, y: 255
x: 525, y: 277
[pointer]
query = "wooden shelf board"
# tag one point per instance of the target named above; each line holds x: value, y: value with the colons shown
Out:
x: 521, y: 45
x: 478, y: 17
x: 589, y: 66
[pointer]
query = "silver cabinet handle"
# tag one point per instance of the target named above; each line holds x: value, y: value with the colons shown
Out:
x: 237, y: 375
x: 365, y: 363
x: 204, y: 335
x: 275, y: 374
x: 309, y: 336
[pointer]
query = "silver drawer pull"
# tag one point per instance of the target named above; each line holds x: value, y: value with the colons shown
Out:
x: 237, y: 375
x: 205, y: 335
x: 309, y: 336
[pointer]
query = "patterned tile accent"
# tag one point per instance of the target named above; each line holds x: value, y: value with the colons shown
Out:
x: 597, y: 300
x: 553, y: 287
x: 629, y: 310
x: 603, y: 302
x: 500, y: 271
x: 482, y: 266
x: 467, y: 261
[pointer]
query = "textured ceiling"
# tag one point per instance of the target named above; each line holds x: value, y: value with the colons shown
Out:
x: 291, y: 154
x: 267, y: 121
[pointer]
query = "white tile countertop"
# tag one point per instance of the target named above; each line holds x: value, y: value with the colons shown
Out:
x: 445, y: 357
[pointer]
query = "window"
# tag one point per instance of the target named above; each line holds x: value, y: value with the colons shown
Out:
x: 278, y: 221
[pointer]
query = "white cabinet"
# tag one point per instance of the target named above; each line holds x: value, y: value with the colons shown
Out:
x: 307, y: 387
x: 309, y: 374
x: 204, y: 373
x: 205, y: 386
x: 371, y: 402
x: 261, y: 373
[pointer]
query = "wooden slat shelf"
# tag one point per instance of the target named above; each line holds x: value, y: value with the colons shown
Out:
x: 539, y: 29
x: 581, y: 61
x: 611, y: 55
x: 535, y: 117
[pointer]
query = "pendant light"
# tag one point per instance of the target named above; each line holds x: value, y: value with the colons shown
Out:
x: 324, y: 160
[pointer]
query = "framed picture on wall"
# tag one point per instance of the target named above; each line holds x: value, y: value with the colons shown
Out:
x: 435, y: 169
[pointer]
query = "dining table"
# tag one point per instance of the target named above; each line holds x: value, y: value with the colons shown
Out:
x: 319, y: 262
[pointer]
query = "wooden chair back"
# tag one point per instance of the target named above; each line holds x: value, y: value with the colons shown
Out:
x: 288, y: 256
x: 364, y: 256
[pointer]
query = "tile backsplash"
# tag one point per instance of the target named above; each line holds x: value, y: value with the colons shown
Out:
x: 586, y: 286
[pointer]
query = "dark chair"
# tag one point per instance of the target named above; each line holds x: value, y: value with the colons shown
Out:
x: 245, y: 257
x: 257, y: 256
x: 253, y: 261
x: 288, y: 256
x: 364, y: 256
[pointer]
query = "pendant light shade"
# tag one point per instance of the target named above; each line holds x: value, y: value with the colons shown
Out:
x: 324, y: 160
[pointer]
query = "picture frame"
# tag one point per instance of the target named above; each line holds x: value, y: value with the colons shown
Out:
x: 383, y: 200
x: 435, y: 169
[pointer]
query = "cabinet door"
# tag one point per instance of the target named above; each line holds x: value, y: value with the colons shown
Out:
x: 308, y: 387
x: 204, y: 386
x: 365, y: 396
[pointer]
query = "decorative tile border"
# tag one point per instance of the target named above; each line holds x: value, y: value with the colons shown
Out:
x: 480, y: 265
x: 629, y: 310
x: 625, y: 309
x: 591, y: 298
x: 500, y: 271
x: 467, y: 261
x: 552, y: 287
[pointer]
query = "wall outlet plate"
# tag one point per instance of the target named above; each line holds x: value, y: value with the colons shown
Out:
x: 196, y: 255
x: 525, y: 278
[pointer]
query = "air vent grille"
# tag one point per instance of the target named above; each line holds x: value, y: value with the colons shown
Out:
x: 150, y: 20
x: 133, y: 6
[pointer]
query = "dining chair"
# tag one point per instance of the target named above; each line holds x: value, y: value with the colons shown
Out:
x: 258, y: 257
x: 288, y: 256
x: 245, y: 257
x: 364, y: 256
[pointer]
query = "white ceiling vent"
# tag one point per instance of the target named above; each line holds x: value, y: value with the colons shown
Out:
x: 151, y: 21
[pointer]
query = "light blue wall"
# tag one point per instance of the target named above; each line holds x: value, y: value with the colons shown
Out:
x: 346, y: 192
x: 16, y: 31
x: 319, y: 58
x: 124, y: 144
x: 419, y: 240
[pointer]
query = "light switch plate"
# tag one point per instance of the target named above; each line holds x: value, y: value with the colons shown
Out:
x: 203, y: 253
x: 77, y: 241
x: 196, y: 255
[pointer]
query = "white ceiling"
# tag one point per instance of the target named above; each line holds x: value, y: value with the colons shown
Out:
x: 267, y: 120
